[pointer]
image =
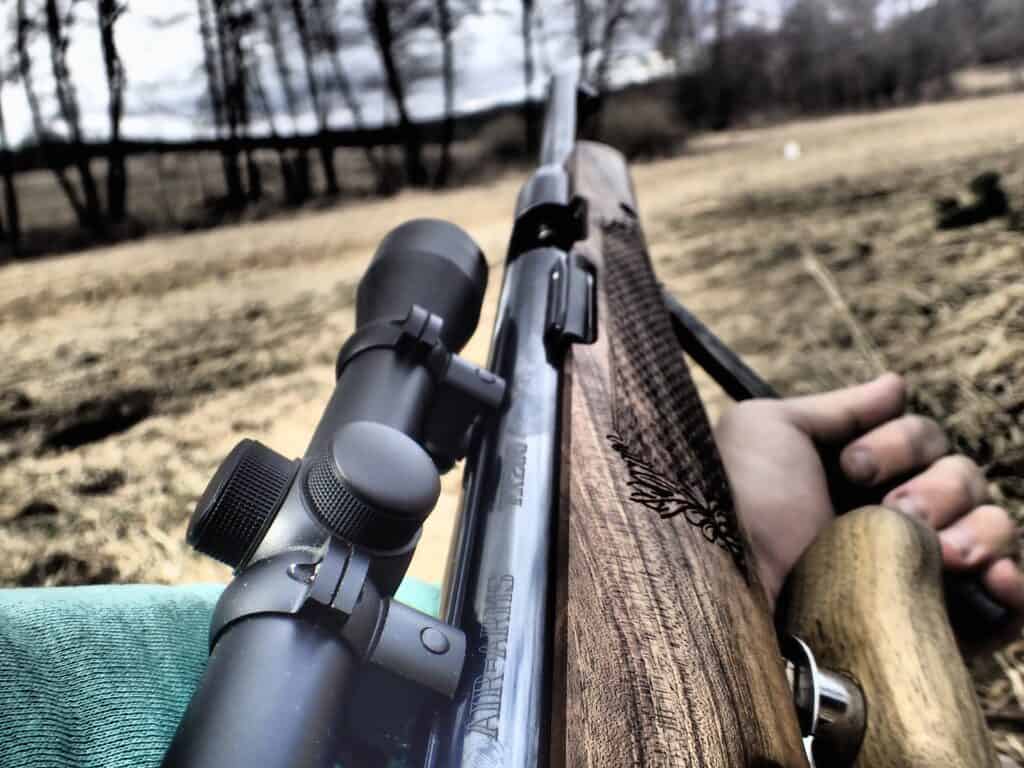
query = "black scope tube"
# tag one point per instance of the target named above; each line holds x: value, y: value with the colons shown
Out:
x: 275, y: 689
x: 272, y: 695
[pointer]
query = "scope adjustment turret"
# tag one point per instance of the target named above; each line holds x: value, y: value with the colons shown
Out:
x: 240, y: 502
x: 375, y: 488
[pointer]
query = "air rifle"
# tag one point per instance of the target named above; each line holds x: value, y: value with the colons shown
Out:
x: 600, y: 606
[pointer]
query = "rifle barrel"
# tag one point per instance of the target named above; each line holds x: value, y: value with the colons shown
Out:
x: 549, y: 183
x: 499, y: 583
x: 560, y: 121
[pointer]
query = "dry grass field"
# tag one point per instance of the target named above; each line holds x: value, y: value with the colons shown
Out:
x: 128, y: 373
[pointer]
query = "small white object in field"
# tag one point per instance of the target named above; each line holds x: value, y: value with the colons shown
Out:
x: 792, y: 150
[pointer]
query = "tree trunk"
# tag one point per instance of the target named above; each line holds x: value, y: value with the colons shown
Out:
x: 240, y: 82
x: 284, y: 72
x: 230, y: 155
x: 681, y: 38
x: 12, y: 216
x: 38, y: 125
x: 263, y: 104
x: 301, y: 176
x: 614, y: 14
x: 117, y: 178
x: 213, y: 61
x: 67, y: 101
x: 289, y: 166
x: 319, y: 107
x: 583, y: 24
x: 323, y: 23
x: 721, y: 92
x: 12, y: 213
x: 669, y: 44
x: 444, y: 166
x: 531, y: 114
x: 412, y: 144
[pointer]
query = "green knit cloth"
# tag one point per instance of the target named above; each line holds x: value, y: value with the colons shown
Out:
x: 98, y: 677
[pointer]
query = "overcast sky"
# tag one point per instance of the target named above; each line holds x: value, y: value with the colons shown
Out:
x: 166, y: 83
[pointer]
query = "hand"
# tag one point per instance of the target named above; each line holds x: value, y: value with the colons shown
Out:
x: 770, y: 451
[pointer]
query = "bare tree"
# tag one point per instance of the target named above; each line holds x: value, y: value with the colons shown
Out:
x: 109, y: 11
x: 388, y: 34
x: 449, y: 14
x: 531, y: 111
x: 617, y: 12
x: 584, y: 24
x: 58, y: 32
x: 294, y: 168
x: 328, y: 42
x: 617, y: 15
x: 215, y: 79
x: 680, y: 39
x: 238, y: 24
x: 722, y: 106
x: 446, y: 27
x: 25, y: 26
x: 672, y: 34
x: 316, y: 97
x: 12, y: 217
x: 271, y: 22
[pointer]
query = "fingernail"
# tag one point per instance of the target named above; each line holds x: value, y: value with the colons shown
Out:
x: 860, y: 466
x: 960, y: 539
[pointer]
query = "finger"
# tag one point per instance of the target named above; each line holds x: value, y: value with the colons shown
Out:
x: 982, y: 537
x: 839, y: 416
x: 943, y: 493
x: 1005, y: 582
x: 895, y: 448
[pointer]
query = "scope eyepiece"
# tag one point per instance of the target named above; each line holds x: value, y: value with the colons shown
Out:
x: 428, y: 262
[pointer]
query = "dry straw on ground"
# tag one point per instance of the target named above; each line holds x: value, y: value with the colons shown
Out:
x: 820, y: 270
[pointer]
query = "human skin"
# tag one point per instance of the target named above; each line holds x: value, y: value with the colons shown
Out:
x: 770, y: 449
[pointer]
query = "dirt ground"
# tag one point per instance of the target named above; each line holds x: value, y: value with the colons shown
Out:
x: 128, y: 373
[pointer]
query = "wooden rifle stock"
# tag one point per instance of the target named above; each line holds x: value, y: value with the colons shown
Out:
x: 668, y: 650
x: 665, y: 648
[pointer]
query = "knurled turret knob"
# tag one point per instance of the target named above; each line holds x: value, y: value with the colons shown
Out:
x: 375, y: 488
x: 240, y: 502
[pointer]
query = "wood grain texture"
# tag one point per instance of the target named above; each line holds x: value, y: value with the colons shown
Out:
x: 867, y: 598
x: 670, y: 656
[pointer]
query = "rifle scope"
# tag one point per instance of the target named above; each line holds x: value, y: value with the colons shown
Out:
x: 320, y: 544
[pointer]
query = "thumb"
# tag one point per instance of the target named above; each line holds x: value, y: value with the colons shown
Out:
x: 839, y: 416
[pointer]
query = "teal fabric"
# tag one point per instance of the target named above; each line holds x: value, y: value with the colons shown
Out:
x: 98, y: 677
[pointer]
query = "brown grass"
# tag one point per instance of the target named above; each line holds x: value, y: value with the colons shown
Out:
x: 233, y: 332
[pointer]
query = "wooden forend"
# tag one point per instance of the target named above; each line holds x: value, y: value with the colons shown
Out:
x: 867, y: 599
x: 667, y: 654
